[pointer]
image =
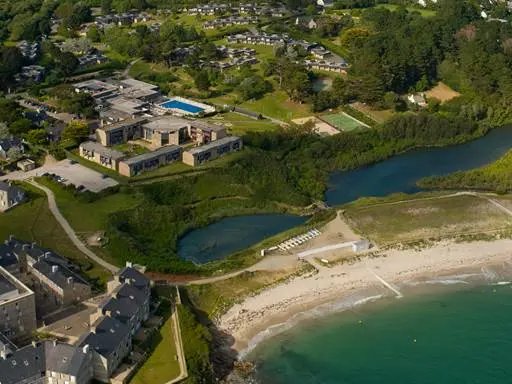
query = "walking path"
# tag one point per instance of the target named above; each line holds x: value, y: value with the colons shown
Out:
x: 52, y: 204
x: 179, y: 342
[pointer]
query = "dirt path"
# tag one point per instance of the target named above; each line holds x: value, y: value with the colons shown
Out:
x: 52, y: 204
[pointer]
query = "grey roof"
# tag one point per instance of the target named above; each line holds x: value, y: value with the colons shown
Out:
x: 23, y: 364
x: 7, y: 255
x: 122, y: 308
x: 152, y: 155
x: 7, y: 144
x: 133, y: 292
x: 207, y: 127
x: 137, y: 278
x: 60, y: 277
x: 105, y: 151
x: 64, y: 358
x: 8, y: 187
x: 167, y: 124
x: 6, y: 286
x: 123, y: 123
x: 214, y: 144
x: 109, y: 334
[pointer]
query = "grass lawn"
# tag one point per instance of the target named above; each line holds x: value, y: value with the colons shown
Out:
x: 423, y: 12
x: 342, y: 121
x: 380, y: 116
x: 276, y: 105
x: 33, y: 221
x: 131, y: 149
x: 86, y: 218
x: 162, y: 365
x: 238, y: 124
x: 423, y: 219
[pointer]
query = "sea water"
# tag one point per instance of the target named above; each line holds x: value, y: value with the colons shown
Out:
x: 448, y: 330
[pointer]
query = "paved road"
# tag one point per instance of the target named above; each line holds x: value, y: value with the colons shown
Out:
x: 52, y: 204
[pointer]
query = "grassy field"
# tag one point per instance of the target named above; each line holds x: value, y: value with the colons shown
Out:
x: 162, y: 365
x: 380, y: 116
x: 33, y: 221
x: 276, y: 105
x: 342, y: 121
x: 442, y: 92
x: 238, y: 124
x: 87, y: 218
x: 423, y: 12
x: 423, y: 219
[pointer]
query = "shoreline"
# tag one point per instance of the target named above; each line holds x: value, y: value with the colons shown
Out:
x: 281, y: 307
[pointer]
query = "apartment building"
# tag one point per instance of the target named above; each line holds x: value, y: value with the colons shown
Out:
x: 213, y: 150
x: 121, y: 132
x: 10, y: 196
x: 148, y: 161
x: 97, y: 153
x: 54, y: 282
x: 203, y: 133
x: 166, y: 130
x: 17, y: 307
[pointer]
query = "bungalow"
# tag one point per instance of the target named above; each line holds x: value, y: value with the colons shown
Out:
x: 417, y: 99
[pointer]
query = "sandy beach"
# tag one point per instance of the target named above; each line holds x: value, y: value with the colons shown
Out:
x: 276, y: 305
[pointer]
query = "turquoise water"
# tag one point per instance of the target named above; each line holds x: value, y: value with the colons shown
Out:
x: 233, y: 234
x: 400, y: 173
x: 459, y: 336
x: 181, y: 105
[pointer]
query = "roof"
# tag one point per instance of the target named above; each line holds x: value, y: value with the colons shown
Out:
x: 64, y: 358
x: 152, y: 155
x: 105, y: 151
x: 167, y: 124
x: 7, y: 256
x: 122, y: 308
x: 130, y: 273
x: 6, y: 286
x: 133, y: 83
x: 207, y: 127
x: 125, y: 105
x: 108, y: 335
x: 214, y: 144
x: 133, y: 293
x: 124, y: 123
x: 25, y: 363
x: 56, y: 272
x: 7, y: 144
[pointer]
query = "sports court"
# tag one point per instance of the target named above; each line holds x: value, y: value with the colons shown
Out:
x: 343, y: 122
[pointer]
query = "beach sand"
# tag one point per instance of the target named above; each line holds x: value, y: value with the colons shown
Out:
x: 276, y: 305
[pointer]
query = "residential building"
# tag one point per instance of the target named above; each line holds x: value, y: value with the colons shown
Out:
x: 9, y: 259
x: 17, y: 307
x: 148, y: 161
x: 140, y: 90
x: 123, y: 108
x: 211, y: 151
x: 34, y: 73
x: 417, y: 99
x: 54, y: 282
x: 23, y: 366
x: 229, y: 21
x: 10, y: 143
x: 26, y: 165
x: 10, y: 196
x: 118, y: 133
x: 307, y: 22
x: 66, y: 364
x: 29, y: 49
x: 96, y: 88
x: 166, y: 130
x: 203, y: 133
x: 104, y: 156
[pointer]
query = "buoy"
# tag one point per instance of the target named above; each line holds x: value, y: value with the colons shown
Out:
x: 414, y: 340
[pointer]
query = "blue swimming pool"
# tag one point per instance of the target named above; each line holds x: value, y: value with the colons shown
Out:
x: 176, y: 104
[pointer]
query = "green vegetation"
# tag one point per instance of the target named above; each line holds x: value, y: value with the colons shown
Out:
x: 342, y: 121
x: 162, y: 364
x: 196, y: 339
x: 388, y: 223
x: 422, y: 11
x: 495, y: 177
x: 33, y: 221
x: 238, y: 124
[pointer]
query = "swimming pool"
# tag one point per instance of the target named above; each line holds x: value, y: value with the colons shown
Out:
x: 176, y: 104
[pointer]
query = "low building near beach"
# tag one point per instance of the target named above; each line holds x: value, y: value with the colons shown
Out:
x: 361, y: 245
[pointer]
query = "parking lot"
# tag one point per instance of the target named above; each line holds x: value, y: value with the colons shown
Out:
x: 72, y: 173
x: 77, y: 174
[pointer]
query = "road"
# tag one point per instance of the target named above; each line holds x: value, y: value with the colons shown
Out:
x: 52, y: 204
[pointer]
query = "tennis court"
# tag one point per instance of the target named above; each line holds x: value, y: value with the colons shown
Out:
x: 343, y: 122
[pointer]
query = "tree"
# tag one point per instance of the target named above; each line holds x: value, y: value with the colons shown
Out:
x: 202, y: 80
x: 37, y: 137
x: 253, y: 87
x: 14, y: 153
x: 106, y: 6
x: 391, y: 100
x: 4, y: 131
x: 20, y: 127
x: 76, y: 131
x: 67, y: 63
x: 94, y: 34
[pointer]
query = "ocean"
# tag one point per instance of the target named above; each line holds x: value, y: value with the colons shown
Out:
x: 452, y: 329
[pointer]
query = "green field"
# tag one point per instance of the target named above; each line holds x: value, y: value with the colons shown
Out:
x: 238, y: 124
x: 428, y: 218
x: 423, y: 12
x: 342, y: 121
x: 33, y: 221
x: 162, y: 365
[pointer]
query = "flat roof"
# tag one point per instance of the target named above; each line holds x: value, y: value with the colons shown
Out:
x: 213, y: 144
x: 126, y: 105
x: 96, y: 85
x: 151, y: 155
x: 167, y: 123
x: 6, y: 286
x: 97, y: 147
x: 133, y: 83
x: 123, y: 123
x: 207, y: 126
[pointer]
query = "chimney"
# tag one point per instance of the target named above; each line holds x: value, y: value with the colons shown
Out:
x: 25, y: 247
x: 70, y: 280
x: 54, y: 342
x: 34, y: 344
x: 85, y: 349
x: 129, y: 264
x: 3, y: 353
x: 93, y: 330
x: 47, y: 254
x: 33, y: 245
x: 108, y: 313
x: 11, y: 237
x: 40, y: 258
x: 55, y: 268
